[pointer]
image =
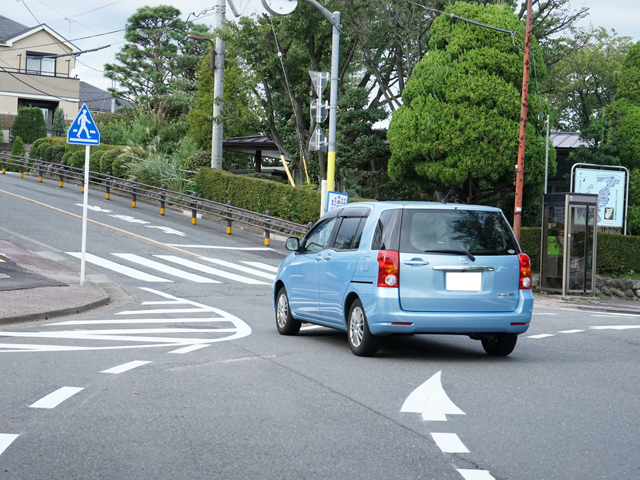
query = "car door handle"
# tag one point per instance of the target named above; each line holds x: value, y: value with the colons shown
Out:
x: 317, y: 258
x: 417, y: 263
x: 327, y: 258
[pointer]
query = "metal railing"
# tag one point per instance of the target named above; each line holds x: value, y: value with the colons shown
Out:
x: 164, y: 197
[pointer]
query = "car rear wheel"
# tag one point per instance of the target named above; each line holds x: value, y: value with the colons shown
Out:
x: 287, y: 325
x: 500, y: 344
x: 362, y: 342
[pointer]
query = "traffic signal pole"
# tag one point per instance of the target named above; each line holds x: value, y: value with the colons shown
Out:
x: 517, y: 211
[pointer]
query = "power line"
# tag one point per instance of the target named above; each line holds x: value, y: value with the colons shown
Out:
x: 34, y: 17
x: 61, y: 43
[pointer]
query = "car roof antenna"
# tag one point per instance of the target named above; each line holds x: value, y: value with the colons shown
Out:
x: 444, y: 200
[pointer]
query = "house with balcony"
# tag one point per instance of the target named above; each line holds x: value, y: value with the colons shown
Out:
x: 35, y: 70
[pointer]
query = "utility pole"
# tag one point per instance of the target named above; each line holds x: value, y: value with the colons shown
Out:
x: 218, y: 90
x: 517, y: 211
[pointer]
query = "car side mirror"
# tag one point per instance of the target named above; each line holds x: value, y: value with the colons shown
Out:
x: 292, y: 243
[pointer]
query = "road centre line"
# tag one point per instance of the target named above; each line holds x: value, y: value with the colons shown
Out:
x: 264, y: 266
x: 188, y: 349
x: 469, y: 474
x: 116, y: 267
x: 616, y: 315
x: 6, y: 439
x: 164, y: 268
x: 570, y: 331
x: 449, y: 443
x: 241, y: 268
x: 542, y: 335
x: 211, y: 271
x: 173, y: 247
x: 615, y: 327
x: 125, y: 367
x: 56, y: 398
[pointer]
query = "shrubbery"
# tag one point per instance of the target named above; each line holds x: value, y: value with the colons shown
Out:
x: 29, y: 125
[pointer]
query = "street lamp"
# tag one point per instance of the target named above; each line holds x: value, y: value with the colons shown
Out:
x: 216, y: 64
x: 284, y: 7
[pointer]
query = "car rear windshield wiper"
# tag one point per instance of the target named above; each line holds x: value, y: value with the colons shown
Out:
x: 454, y: 251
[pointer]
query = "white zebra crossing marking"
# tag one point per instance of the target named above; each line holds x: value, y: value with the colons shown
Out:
x: 116, y: 267
x: 211, y: 271
x: 264, y: 266
x: 6, y: 439
x: 252, y: 271
x: 164, y: 268
x: 469, y: 474
x: 56, y: 398
x: 449, y: 443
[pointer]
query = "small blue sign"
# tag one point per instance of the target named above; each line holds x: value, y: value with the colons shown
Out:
x: 83, y: 130
x: 336, y: 199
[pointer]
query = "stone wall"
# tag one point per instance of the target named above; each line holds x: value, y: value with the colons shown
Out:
x: 614, y: 287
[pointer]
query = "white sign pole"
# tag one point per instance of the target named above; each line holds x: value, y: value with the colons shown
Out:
x: 84, y: 213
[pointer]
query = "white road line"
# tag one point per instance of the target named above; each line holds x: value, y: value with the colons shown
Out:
x: 221, y: 248
x: 56, y: 398
x: 164, y: 268
x: 125, y: 367
x: 475, y: 474
x: 615, y: 327
x: 188, y: 349
x: 211, y: 271
x: 241, y: 268
x: 116, y: 267
x: 616, y: 315
x: 431, y: 401
x: 264, y: 266
x: 542, y: 335
x: 136, y: 321
x: 449, y: 443
x: 6, y: 439
x: 570, y: 331
x: 537, y: 313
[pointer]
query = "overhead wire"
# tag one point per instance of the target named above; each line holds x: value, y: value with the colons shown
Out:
x: 284, y: 71
x: 27, y: 7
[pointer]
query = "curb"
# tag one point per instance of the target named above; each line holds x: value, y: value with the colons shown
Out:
x: 45, y: 315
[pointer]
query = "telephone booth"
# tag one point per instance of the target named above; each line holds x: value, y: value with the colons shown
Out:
x: 568, y: 257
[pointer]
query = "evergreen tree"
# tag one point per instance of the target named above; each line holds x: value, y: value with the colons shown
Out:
x: 18, y: 146
x: 29, y: 124
x: 59, y: 127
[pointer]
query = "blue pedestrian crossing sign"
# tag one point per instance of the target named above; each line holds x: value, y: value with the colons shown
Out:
x: 83, y: 130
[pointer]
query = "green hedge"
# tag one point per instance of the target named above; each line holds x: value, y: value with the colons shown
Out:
x: 294, y: 204
x: 617, y: 254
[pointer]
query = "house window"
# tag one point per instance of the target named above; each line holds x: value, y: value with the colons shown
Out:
x: 39, y: 64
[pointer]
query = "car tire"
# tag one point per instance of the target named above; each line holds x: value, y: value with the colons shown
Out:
x: 286, y: 324
x: 500, y: 344
x: 362, y: 342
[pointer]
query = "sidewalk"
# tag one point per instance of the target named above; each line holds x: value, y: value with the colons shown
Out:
x: 595, y: 304
x: 35, y: 284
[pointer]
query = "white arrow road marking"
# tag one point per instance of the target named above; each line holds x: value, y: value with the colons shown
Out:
x: 56, y: 398
x: 164, y: 268
x: 211, y: 271
x: 615, y: 327
x: 449, y: 443
x: 125, y: 367
x: 116, y: 267
x: 264, y: 266
x: 6, y: 439
x: 542, y: 335
x: 475, y: 474
x: 241, y: 268
x: 431, y: 401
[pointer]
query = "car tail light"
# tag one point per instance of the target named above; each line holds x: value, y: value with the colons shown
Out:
x: 525, y: 271
x: 388, y: 268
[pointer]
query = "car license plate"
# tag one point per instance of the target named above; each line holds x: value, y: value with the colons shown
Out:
x: 464, y: 281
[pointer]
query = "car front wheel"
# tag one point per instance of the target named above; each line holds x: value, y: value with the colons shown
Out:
x: 500, y: 344
x: 287, y: 325
x: 362, y: 342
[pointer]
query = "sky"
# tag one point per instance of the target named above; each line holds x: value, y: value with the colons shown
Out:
x: 73, y: 20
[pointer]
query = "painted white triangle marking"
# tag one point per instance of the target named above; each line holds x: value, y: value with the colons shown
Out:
x: 6, y: 439
x: 431, y: 401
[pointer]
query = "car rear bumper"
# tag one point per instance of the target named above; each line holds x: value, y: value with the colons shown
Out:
x: 385, y: 317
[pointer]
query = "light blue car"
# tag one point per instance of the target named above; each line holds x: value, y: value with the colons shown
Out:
x: 383, y: 268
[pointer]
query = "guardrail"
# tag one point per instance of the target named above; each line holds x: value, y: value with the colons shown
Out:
x: 164, y: 197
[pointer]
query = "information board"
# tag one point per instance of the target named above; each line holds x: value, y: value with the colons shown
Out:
x: 610, y: 185
x: 336, y: 199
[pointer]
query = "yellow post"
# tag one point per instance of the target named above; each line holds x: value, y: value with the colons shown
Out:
x: 306, y: 172
x: 286, y: 169
x: 331, y: 171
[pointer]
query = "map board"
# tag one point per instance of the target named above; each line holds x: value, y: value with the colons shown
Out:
x: 336, y: 199
x: 610, y: 185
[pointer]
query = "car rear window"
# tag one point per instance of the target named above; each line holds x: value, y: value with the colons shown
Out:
x: 478, y: 232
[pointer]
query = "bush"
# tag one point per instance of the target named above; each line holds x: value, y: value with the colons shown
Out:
x: 271, y: 178
x: 36, y: 146
x: 294, y: 204
x: 107, y: 159
x: 66, y: 157
x: 76, y: 159
x: 18, y: 146
x: 530, y: 239
x: 29, y: 124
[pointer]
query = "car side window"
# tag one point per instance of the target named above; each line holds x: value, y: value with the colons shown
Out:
x: 318, y: 238
x: 387, y: 233
x: 349, y: 233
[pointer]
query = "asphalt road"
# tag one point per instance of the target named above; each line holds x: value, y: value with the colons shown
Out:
x: 215, y: 392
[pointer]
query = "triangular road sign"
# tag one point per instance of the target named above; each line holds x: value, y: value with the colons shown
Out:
x: 83, y: 130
